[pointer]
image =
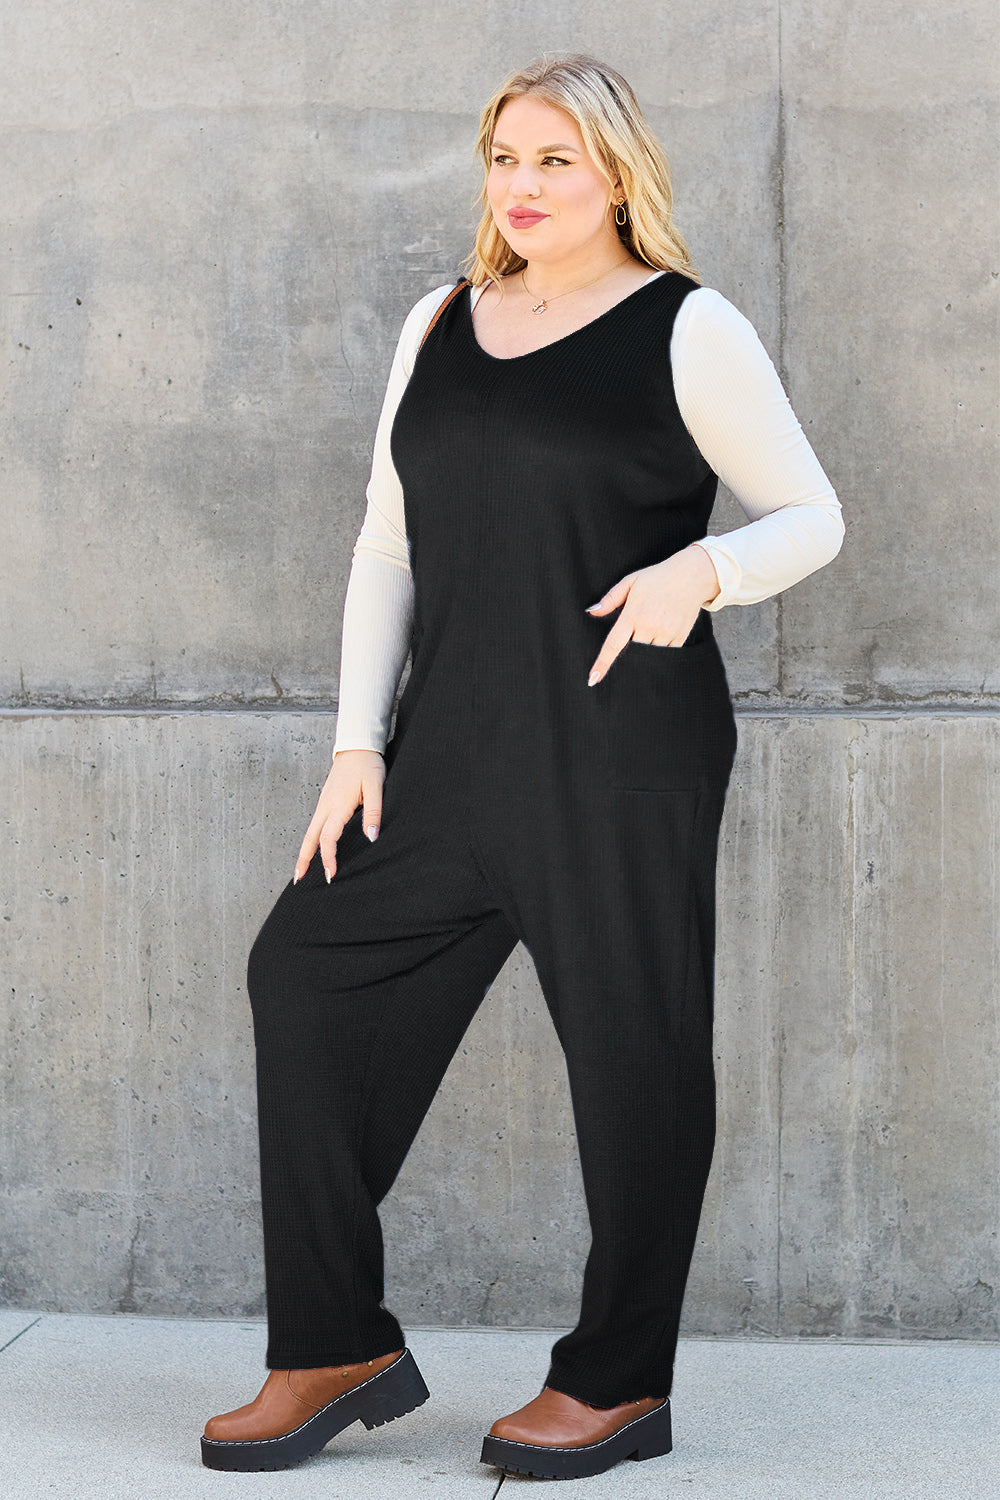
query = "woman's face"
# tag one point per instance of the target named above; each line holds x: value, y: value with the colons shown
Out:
x: 548, y: 196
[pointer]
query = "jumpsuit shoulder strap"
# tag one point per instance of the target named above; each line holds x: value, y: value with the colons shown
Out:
x: 441, y: 307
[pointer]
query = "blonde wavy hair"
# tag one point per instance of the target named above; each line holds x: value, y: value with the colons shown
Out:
x: 617, y: 137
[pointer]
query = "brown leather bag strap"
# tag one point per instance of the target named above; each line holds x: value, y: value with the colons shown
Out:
x: 450, y: 298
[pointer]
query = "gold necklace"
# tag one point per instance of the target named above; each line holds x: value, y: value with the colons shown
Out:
x: 540, y: 307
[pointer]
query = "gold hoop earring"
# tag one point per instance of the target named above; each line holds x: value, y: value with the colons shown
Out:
x: 620, y: 209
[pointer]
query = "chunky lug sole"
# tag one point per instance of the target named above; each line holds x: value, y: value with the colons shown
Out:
x: 393, y: 1392
x: 644, y: 1437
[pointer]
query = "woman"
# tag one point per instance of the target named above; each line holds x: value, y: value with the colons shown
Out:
x: 557, y: 432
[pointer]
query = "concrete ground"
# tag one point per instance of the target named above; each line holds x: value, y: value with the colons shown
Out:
x: 113, y: 1407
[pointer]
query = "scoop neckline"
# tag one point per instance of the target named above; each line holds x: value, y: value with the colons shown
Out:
x: 511, y: 359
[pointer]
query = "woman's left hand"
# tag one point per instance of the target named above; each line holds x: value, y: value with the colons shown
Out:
x: 661, y: 604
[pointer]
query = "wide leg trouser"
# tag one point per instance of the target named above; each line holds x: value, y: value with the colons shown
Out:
x: 361, y: 991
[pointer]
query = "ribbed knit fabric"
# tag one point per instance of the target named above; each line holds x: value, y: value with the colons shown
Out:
x: 732, y: 402
x: 519, y: 804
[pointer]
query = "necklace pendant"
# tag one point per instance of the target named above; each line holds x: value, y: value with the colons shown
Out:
x: 539, y: 307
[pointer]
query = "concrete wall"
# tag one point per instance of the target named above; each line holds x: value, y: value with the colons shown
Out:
x: 216, y: 221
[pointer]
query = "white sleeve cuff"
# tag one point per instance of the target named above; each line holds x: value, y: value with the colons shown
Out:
x: 728, y: 570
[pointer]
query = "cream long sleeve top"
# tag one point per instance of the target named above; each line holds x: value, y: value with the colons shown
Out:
x: 735, y: 408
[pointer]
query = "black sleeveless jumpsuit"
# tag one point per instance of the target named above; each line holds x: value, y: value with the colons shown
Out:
x: 519, y: 805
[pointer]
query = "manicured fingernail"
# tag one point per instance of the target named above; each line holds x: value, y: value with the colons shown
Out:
x: 329, y: 877
x: 295, y: 878
x: 372, y: 832
x: 595, y: 676
x: 592, y: 606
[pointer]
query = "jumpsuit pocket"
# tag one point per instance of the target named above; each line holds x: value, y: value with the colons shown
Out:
x: 667, y: 717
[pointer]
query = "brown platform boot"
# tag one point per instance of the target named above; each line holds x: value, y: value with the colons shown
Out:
x: 558, y: 1437
x: 297, y: 1412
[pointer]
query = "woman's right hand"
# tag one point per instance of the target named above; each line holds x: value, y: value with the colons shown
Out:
x: 356, y: 777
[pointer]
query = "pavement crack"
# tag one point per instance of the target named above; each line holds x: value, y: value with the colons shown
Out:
x: 24, y: 1330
